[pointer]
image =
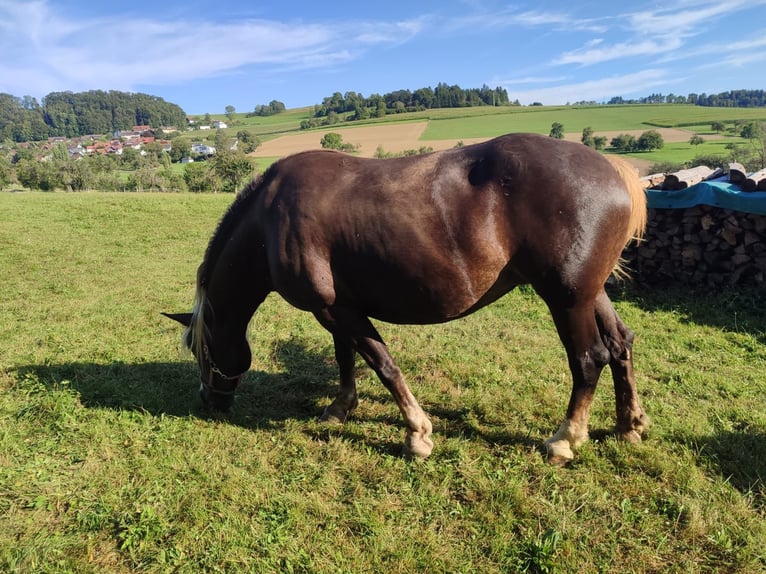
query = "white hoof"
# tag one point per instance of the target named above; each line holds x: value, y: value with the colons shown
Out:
x: 570, y: 435
x: 417, y: 445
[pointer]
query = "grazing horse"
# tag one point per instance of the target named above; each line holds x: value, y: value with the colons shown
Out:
x: 421, y: 240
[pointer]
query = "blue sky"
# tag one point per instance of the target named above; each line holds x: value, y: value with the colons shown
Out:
x: 205, y: 55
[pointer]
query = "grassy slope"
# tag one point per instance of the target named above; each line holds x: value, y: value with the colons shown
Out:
x: 107, y: 463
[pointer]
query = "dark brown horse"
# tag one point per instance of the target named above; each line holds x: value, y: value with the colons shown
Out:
x: 420, y: 240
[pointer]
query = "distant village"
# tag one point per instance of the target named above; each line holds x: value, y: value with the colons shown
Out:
x: 136, y: 138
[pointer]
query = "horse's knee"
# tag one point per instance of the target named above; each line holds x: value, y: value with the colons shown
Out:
x: 600, y: 355
x: 592, y: 361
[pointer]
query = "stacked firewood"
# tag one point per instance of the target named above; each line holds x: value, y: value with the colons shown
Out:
x: 700, y: 246
x: 752, y: 182
x: 688, y: 177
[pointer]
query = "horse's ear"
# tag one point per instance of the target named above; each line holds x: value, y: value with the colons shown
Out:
x: 183, y: 318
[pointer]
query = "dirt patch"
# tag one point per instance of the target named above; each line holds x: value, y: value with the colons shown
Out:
x: 394, y: 138
x: 397, y: 138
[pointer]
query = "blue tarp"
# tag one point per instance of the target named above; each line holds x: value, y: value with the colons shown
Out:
x: 717, y: 193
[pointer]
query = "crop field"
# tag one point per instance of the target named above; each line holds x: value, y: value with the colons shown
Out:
x: 443, y: 128
x: 108, y: 463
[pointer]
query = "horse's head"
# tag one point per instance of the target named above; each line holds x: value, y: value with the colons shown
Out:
x: 217, y: 385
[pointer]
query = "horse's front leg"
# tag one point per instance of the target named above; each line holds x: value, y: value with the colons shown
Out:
x: 348, y: 325
x: 417, y: 442
x: 346, y: 400
x: 587, y: 357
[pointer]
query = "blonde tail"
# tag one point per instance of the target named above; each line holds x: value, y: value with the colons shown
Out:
x: 629, y: 174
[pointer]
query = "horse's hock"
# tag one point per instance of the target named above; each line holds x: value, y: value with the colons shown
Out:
x: 701, y: 246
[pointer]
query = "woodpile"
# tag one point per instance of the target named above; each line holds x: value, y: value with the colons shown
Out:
x: 737, y: 173
x: 755, y: 182
x: 700, y: 246
x: 692, y: 176
x: 689, y: 177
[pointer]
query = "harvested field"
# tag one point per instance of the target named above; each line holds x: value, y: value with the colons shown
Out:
x: 394, y: 138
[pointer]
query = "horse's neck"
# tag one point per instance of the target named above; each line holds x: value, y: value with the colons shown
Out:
x: 234, y: 285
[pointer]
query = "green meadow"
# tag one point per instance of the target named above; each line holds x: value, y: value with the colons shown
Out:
x: 486, y: 122
x: 108, y: 463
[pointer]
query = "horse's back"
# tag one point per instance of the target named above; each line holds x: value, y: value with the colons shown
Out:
x: 429, y: 238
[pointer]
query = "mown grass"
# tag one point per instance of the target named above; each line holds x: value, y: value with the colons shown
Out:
x: 680, y: 152
x: 108, y: 463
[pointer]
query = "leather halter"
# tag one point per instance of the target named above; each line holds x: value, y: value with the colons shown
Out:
x: 214, y: 370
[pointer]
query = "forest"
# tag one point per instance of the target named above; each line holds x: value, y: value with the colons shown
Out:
x: 70, y: 114
x: 443, y: 96
x: 730, y: 99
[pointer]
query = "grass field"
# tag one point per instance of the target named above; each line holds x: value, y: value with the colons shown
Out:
x: 470, y: 124
x: 109, y: 464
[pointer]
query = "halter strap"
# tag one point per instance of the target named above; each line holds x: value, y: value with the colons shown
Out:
x: 214, y: 370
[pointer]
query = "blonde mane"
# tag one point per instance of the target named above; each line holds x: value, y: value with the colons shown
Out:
x: 196, y: 334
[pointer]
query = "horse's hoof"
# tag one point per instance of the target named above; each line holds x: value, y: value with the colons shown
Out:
x: 559, y: 453
x: 417, y: 447
x: 333, y: 416
x: 632, y: 436
x: 560, y: 461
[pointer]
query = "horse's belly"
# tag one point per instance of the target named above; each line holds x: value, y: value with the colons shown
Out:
x: 409, y: 300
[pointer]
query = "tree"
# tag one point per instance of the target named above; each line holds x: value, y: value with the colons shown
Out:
x: 557, y: 130
x: 624, y: 142
x: 332, y: 140
x: 230, y: 112
x: 221, y: 141
x: 179, y: 149
x: 650, y: 140
x: 587, y: 137
x: 233, y: 169
x: 696, y: 140
x: 276, y: 107
x: 40, y: 175
x: 248, y: 141
x: 755, y: 133
x: 76, y: 175
x: 718, y: 127
x: 599, y: 142
x: 5, y: 172
x: 199, y: 178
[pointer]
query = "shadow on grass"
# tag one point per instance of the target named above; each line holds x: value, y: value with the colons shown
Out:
x: 741, y: 310
x: 172, y: 388
x: 738, y: 456
x: 263, y: 400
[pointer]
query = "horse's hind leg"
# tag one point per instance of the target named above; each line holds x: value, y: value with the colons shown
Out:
x: 349, y: 325
x: 346, y: 400
x: 587, y: 357
x: 631, y: 418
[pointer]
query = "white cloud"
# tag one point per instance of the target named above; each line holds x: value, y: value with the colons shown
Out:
x: 527, y: 19
x: 595, y: 90
x: 100, y: 52
x: 684, y: 17
x: 591, y: 55
x: 661, y: 32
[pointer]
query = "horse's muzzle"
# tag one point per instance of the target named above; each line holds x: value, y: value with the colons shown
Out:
x: 216, y: 401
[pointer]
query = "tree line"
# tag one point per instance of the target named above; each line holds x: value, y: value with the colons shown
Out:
x: 71, y: 114
x: 399, y: 101
x: 730, y: 99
